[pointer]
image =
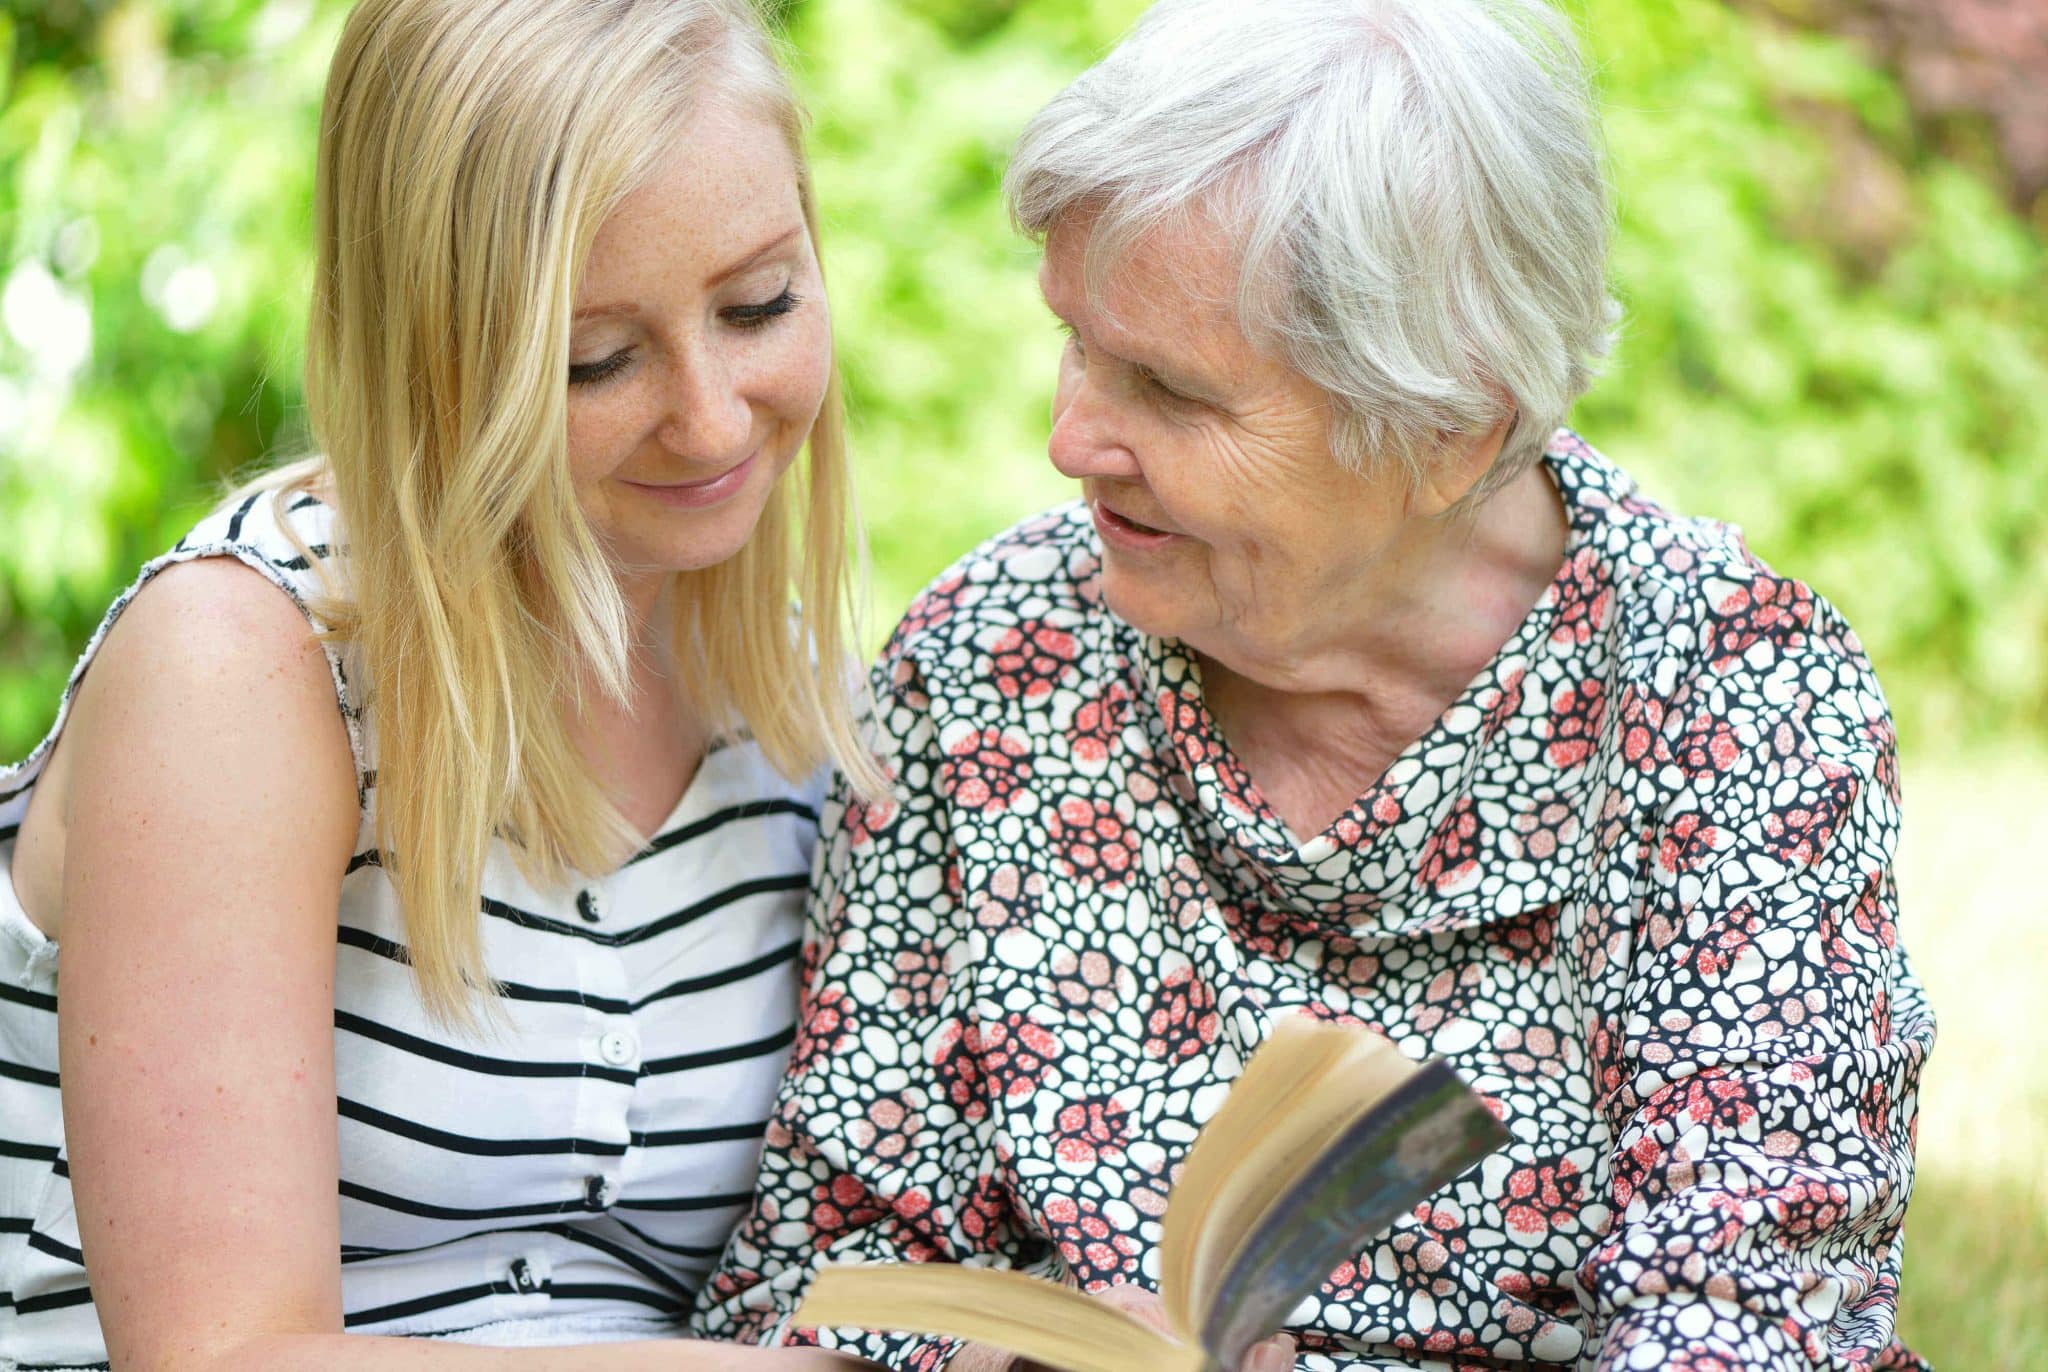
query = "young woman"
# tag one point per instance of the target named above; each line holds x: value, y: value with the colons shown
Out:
x: 503, y: 948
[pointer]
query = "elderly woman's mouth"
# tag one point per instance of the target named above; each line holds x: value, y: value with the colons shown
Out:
x: 1125, y: 532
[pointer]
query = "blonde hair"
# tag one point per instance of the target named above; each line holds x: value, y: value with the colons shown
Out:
x: 468, y: 154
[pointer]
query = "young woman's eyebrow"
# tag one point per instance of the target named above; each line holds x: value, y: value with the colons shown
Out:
x: 757, y: 256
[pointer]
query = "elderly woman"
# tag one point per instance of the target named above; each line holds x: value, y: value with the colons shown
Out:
x: 1354, y: 687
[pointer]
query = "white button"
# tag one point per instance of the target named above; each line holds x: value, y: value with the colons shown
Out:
x: 617, y: 1048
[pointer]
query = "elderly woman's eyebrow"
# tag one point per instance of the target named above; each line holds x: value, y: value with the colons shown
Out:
x: 1164, y: 373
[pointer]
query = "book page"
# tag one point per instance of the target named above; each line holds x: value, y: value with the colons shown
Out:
x: 1280, y: 1074
x: 1344, y: 1071
x: 1415, y: 1140
x: 1329, y: 1134
x: 1052, y: 1324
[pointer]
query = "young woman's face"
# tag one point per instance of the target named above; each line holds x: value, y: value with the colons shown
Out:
x: 701, y: 348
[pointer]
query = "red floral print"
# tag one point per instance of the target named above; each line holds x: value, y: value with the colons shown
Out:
x: 1765, y: 608
x: 1452, y: 853
x: 1098, y: 1252
x: 1097, y: 724
x: 1543, y: 1195
x: 1182, y: 1021
x: 1091, y: 1130
x: 1030, y: 661
x: 987, y: 768
x: 1583, y: 596
x: 1576, y: 713
x: 1093, y: 841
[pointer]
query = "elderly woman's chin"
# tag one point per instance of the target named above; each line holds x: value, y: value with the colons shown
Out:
x: 1164, y: 593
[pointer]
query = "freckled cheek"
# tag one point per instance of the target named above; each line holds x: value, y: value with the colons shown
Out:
x: 789, y: 377
x: 604, y: 430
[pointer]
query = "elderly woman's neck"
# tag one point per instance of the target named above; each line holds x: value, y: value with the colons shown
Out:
x: 1318, y: 718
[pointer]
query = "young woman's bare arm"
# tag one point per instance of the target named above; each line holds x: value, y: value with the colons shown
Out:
x: 211, y: 811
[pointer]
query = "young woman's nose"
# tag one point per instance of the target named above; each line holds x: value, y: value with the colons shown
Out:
x: 707, y: 419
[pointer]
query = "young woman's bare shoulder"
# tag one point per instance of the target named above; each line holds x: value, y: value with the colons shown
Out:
x: 219, y: 609
x: 211, y: 704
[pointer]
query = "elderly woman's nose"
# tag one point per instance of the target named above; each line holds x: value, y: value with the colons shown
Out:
x: 706, y: 417
x: 1085, y: 442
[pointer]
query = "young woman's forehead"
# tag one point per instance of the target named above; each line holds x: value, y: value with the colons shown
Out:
x: 724, y: 195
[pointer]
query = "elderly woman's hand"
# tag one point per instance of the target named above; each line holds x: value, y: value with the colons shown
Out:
x: 1274, y: 1355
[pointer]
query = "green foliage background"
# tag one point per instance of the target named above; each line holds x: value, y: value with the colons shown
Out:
x: 1837, y: 336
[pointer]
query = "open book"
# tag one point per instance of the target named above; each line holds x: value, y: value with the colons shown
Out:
x: 1327, y: 1138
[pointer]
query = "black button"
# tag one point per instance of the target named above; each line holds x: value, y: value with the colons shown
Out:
x: 522, y: 1277
x: 586, y: 906
x: 593, y: 1193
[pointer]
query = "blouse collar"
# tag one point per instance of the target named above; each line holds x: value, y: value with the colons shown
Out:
x: 1432, y: 842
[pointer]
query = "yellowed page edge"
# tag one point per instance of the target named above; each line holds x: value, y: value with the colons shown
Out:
x: 1261, y: 1167
x: 1297, y: 1049
x: 1363, y: 1078
x: 1048, y: 1323
x: 1332, y: 1091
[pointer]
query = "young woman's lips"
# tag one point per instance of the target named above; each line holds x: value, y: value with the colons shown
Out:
x: 696, y: 495
x: 1122, y: 532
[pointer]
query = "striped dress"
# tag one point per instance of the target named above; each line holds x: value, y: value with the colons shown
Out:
x: 568, y: 1178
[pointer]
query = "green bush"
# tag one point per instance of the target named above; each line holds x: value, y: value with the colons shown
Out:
x: 1833, y: 336
x: 1840, y: 342
x: 155, y: 205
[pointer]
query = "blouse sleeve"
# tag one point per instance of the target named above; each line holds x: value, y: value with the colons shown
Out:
x: 1763, y: 1094
x: 881, y: 1148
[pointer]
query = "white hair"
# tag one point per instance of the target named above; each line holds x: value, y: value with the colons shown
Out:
x: 1415, y: 187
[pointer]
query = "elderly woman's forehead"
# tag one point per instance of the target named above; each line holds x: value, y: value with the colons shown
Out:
x: 1188, y: 266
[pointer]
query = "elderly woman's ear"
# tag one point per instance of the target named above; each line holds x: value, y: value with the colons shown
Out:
x: 1460, y: 463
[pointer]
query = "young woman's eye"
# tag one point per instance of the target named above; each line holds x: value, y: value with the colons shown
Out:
x: 754, y: 316
x: 594, y: 373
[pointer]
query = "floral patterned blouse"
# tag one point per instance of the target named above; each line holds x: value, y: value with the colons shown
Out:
x: 1635, y: 885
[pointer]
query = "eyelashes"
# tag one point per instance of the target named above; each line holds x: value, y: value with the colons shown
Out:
x: 1160, y: 389
x: 591, y: 373
x: 754, y: 316
x: 745, y: 318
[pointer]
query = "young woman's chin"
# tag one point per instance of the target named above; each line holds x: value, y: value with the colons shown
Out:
x: 669, y: 530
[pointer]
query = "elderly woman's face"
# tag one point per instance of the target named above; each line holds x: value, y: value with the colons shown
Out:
x: 1225, y: 520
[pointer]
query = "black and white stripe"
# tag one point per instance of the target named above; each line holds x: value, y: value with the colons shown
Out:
x: 584, y: 1157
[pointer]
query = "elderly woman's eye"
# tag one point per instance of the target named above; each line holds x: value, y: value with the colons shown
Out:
x: 1163, y: 391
